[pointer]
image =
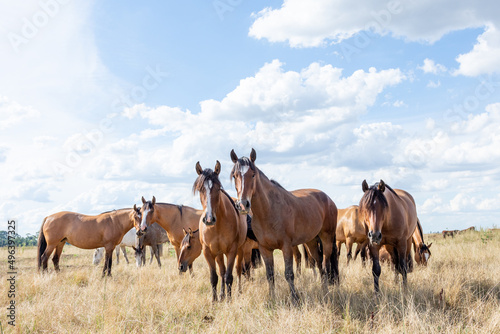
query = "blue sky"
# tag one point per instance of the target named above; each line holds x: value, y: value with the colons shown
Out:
x: 102, y: 103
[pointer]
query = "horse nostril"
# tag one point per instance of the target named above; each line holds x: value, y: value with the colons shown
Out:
x: 370, y: 234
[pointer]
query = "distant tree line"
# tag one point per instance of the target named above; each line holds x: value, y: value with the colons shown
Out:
x: 28, y: 240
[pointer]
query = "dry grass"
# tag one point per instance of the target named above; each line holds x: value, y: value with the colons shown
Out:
x: 458, y: 292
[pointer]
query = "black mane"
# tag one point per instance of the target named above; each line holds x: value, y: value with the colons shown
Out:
x: 372, y: 194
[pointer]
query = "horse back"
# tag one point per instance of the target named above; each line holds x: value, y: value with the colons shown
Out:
x: 404, y: 212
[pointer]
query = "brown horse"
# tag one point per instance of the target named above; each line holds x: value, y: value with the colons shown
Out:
x: 222, y: 229
x: 174, y: 219
x: 422, y: 251
x: 155, y: 237
x: 87, y: 232
x: 391, y: 218
x: 283, y: 219
x: 349, y: 231
x: 450, y: 233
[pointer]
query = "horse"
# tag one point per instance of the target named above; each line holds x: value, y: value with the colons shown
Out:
x: 155, y: 237
x: 472, y: 228
x: 222, y: 229
x: 422, y: 251
x: 283, y: 219
x: 88, y: 232
x: 128, y: 240
x: 349, y: 231
x: 173, y: 218
x: 391, y: 218
x: 449, y: 233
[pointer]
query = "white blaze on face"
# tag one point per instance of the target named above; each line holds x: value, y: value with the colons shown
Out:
x: 243, y: 171
x: 208, y: 186
x: 426, y: 255
x: 143, y: 221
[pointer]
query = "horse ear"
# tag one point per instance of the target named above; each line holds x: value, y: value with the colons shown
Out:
x: 381, y: 186
x: 143, y: 200
x: 364, y: 185
x: 217, y: 167
x: 183, y: 230
x: 234, y: 157
x: 153, y: 201
x: 429, y: 245
x: 253, y: 155
x: 135, y: 207
x: 198, y: 168
x: 190, y: 232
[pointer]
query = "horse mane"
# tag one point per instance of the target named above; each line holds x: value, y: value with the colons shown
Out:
x: 420, y: 230
x: 180, y: 209
x: 277, y: 184
x: 115, y: 210
x: 230, y: 199
x: 206, y: 175
x: 243, y: 161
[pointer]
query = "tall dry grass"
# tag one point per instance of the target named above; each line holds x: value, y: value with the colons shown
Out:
x: 458, y: 292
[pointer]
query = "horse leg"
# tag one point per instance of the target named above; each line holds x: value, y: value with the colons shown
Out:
x: 313, y: 251
x: 376, y: 270
x: 117, y: 251
x: 297, y: 255
x: 403, y: 266
x: 57, y: 255
x: 191, y: 270
x: 288, y: 257
x: 213, y: 273
x: 330, y: 260
x: 108, y: 261
x: 46, y: 255
x: 348, y: 245
x: 239, y: 266
x: 222, y: 273
x: 267, y: 255
x: 156, y: 250
x: 124, y: 252
x: 231, y: 258
x: 339, y: 246
x: 409, y: 260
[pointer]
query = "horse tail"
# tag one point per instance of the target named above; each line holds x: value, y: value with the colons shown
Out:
x: 42, y: 244
x: 256, y: 259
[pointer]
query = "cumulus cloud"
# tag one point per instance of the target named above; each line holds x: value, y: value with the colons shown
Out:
x: 12, y: 113
x: 430, y: 66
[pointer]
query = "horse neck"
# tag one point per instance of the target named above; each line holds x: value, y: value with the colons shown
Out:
x: 261, y: 203
x: 123, y: 219
x: 167, y: 216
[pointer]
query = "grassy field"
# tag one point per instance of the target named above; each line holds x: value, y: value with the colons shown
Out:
x: 459, y: 292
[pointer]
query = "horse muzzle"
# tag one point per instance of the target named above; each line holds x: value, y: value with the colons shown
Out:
x: 375, y: 237
x: 183, y: 267
x: 209, y: 221
x: 243, y: 206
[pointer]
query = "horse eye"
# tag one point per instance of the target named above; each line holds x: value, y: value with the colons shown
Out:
x: 189, y: 247
x: 253, y: 175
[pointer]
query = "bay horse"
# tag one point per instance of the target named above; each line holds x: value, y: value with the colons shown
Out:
x: 283, y: 219
x: 391, y: 218
x: 222, y: 229
x: 83, y: 231
x: 155, y: 237
x: 173, y: 218
x: 351, y: 230
x: 449, y: 233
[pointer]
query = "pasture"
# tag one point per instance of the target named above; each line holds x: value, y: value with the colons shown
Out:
x: 458, y: 292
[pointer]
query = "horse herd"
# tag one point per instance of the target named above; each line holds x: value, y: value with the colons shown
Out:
x: 384, y: 225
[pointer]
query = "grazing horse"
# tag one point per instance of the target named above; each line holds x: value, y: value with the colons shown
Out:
x: 283, y: 219
x: 155, y: 237
x: 422, y: 251
x: 450, y: 233
x: 222, y: 229
x: 349, y: 231
x: 391, y: 218
x: 174, y: 219
x: 82, y: 231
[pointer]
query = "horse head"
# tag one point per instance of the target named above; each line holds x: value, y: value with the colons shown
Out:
x: 145, y: 215
x: 189, y: 251
x: 423, y: 254
x: 372, y: 208
x: 244, y: 172
x: 209, y: 186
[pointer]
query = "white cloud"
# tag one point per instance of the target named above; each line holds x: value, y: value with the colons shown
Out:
x: 430, y: 66
x: 13, y: 113
x: 433, y: 84
x: 484, y: 57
